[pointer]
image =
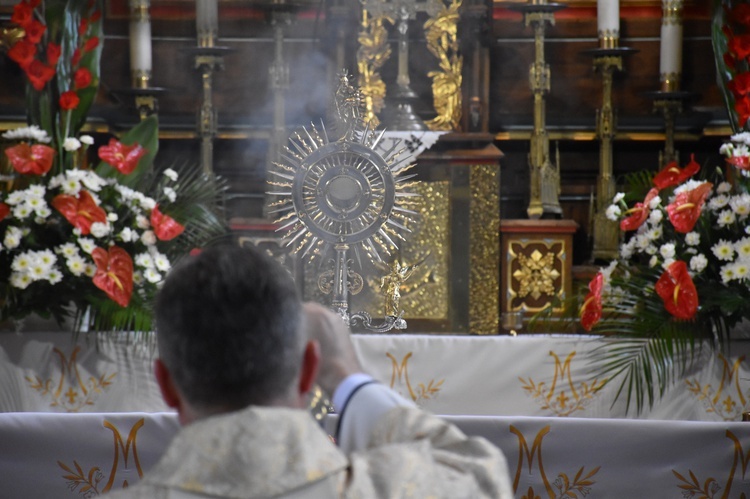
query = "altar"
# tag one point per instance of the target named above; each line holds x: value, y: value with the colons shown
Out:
x: 81, y: 418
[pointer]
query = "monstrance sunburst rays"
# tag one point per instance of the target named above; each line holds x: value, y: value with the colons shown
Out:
x: 342, y: 192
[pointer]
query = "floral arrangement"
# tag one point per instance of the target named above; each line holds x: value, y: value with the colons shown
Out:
x: 87, y: 230
x: 731, y: 41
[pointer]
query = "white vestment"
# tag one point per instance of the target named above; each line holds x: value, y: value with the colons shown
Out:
x: 393, y: 451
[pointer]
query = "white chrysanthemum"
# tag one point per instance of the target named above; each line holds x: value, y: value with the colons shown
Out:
x: 15, y: 198
x: 54, y: 276
x: 626, y: 250
x: 22, y: 262
x: 144, y: 260
x: 90, y: 270
x: 688, y: 186
x: 87, y: 139
x: 38, y: 272
x: 742, y: 247
x: 32, y: 132
x: 162, y: 262
x: 35, y: 203
x: 148, y: 238
x: 20, y: 281
x: 46, y: 257
x: 655, y: 233
x: 67, y: 250
x: 727, y: 273
x: 655, y: 217
x: 723, y: 188
x: 172, y: 175
x: 71, y: 186
x: 698, y: 263
x: 741, y: 205
x: 741, y: 270
x: 76, y: 264
x: 654, y: 203
x: 725, y: 218
x: 667, y: 250
x: 36, y: 191
x: 71, y: 144
x: 22, y: 211
x: 170, y: 193
x: 87, y: 244
x: 723, y: 250
x: 651, y: 249
x: 92, y: 181
x: 642, y: 242
x: 99, y: 229
x: 152, y: 276
x: 12, y: 238
x: 692, y: 238
x: 613, y: 212
x: 654, y: 261
x: 142, y: 222
x: 718, y: 202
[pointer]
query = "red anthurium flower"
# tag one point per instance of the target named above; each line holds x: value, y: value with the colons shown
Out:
x: 638, y: 213
x: 91, y: 44
x: 686, y: 208
x: 39, y: 74
x: 123, y: 158
x: 740, y: 46
x: 673, y: 175
x: 53, y: 53
x: 69, y: 100
x: 165, y: 227
x: 81, y: 211
x: 31, y: 160
x: 22, y: 52
x: 82, y: 78
x: 678, y: 291
x: 591, y: 311
x: 114, y: 274
x: 4, y: 211
x: 34, y: 31
x: 23, y: 14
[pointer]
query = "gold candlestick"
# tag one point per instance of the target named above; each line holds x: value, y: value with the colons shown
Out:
x: 606, y: 232
x: 545, y: 176
x: 670, y: 105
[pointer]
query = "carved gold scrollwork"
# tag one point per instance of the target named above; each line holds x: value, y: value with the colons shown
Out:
x: 373, y: 52
x: 441, y: 33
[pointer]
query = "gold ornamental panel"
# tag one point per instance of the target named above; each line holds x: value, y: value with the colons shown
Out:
x: 536, y: 273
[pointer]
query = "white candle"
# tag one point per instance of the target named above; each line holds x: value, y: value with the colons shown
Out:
x: 140, y: 45
x: 206, y: 21
x: 670, y: 56
x: 608, y: 22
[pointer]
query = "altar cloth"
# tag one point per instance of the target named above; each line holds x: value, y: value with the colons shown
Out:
x: 540, y: 375
x: 49, y: 455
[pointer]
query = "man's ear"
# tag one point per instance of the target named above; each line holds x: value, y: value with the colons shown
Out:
x: 309, y: 368
x: 169, y: 391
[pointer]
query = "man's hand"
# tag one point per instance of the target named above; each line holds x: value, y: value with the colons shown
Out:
x: 338, y: 358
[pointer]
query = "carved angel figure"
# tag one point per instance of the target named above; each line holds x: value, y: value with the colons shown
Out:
x: 390, y: 285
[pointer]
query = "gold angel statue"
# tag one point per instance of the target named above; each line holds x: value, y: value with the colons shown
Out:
x: 390, y: 285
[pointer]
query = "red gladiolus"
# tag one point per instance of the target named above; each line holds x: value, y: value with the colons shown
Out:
x: 69, y: 100
x: 91, y: 44
x: 81, y: 212
x: 34, y: 31
x: 23, y: 14
x: 31, y: 160
x: 673, y: 175
x: 742, y: 108
x: 39, y: 74
x: 740, y: 84
x: 83, y: 26
x: 76, y: 58
x: 638, y: 213
x: 4, y: 211
x: 165, y: 227
x: 730, y: 61
x: 82, y: 78
x: 53, y: 53
x: 591, y: 311
x: 678, y: 291
x: 96, y: 16
x: 22, y: 52
x: 686, y: 208
x: 114, y: 274
x: 123, y: 158
x: 739, y: 46
x: 741, y: 14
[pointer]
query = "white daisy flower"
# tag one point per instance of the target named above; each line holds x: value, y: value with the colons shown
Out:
x: 743, y: 247
x: 90, y: 269
x: 725, y: 218
x: 741, y: 270
x: 152, y: 276
x: 727, y: 273
x: 22, y: 262
x: 22, y: 211
x: 36, y: 190
x: 67, y: 250
x: 12, y: 238
x: 87, y: 244
x: 718, y: 202
x: 723, y: 250
x: 144, y: 260
x: 162, y: 262
x: 46, y: 258
x: 76, y: 265
x: 20, y: 281
x: 54, y: 276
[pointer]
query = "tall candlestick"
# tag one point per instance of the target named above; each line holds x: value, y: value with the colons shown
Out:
x: 140, y: 43
x: 670, y: 62
x: 608, y: 23
x: 207, y: 22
